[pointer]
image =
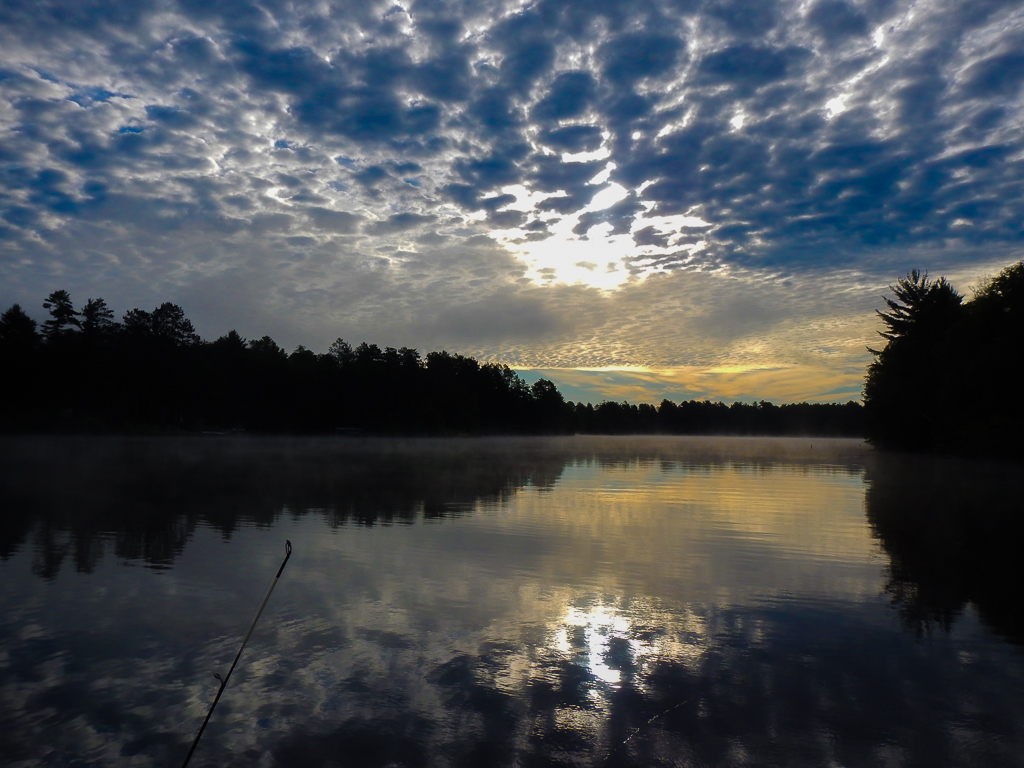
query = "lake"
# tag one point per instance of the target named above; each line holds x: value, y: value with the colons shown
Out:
x: 508, y: 602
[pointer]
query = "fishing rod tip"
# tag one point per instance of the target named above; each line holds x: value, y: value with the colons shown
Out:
x: 287, y: 547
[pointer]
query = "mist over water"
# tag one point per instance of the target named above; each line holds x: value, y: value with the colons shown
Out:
x: 536, y: 602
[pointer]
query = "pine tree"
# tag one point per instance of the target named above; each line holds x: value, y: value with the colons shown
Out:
x: 97, y: 317
x: 903, y: 392
x: 63, y: 317
x: 17, y: 330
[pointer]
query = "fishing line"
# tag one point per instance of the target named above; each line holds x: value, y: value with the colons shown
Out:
x: 629, y: 738
x: 224, y: 680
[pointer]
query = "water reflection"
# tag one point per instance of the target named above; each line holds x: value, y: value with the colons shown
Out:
x: 143, y: 497
x: 465, y: 603
x: 952, y: 529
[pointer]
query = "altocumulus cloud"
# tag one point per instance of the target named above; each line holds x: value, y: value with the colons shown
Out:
x: 692, y: 186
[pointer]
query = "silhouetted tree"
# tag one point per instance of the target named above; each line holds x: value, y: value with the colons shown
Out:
x: 267, y: 348
x: 231, y: 343
x: 981, y: 392
x: 63, y: 316
x: 302, y: 358
x: 903, y: 390
x: 60, y: 359
x: 160, y: 348
x: 97, y: 318
x: 20, y: 394
x: 922, y: 306
x: 341, y: 351
x: 166, y: 325
x: 549, y: 409
x: 93, y: 362
x: 946, y: 379
x: 169, y: 323
x: 17, y: 330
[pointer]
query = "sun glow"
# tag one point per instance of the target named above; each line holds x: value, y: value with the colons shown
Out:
x: 596, y: 257
x: 566, y: 257
x: 835, y: 106
x: 766, y: 380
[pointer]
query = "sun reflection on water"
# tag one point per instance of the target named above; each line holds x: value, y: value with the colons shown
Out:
x: 596, y: 626
x: 613, y: 641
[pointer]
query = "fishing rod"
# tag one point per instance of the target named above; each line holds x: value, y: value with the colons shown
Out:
x: 224, y: 680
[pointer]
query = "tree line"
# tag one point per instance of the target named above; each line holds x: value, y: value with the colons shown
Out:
x: 947, y: 379
x: 84, y: 371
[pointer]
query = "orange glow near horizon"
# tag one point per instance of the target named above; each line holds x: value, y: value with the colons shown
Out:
x: 723, y: 383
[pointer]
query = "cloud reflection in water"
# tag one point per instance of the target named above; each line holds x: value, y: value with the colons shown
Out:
x: 541, y: 603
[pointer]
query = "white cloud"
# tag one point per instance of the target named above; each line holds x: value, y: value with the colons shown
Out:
x: 236, y: 162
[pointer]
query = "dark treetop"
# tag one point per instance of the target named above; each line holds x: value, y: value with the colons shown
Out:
x: 947, y: 380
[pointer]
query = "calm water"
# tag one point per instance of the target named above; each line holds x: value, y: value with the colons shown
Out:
x: 551, y: 602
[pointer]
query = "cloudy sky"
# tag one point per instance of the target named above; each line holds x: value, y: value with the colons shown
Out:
x: 644, y: 199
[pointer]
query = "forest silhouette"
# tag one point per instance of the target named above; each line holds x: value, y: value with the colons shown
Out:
x: 946, y: 380
x: 84, y: 372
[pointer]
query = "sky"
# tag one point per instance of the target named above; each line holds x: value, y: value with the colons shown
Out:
x: 637, y: 200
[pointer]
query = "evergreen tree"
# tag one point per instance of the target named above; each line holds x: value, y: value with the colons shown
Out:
x: 17, y: 330
x: 166, y: 324
x: 170, y: 324
x: 63, y: 316
x: 97, y: 318
x: 903, y: 390
x: 341, y: 351
x: 923, y: 308
x: 947, y: 378
x: 267, y: 348
x: 983, y: 393
x: 19, y: 368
